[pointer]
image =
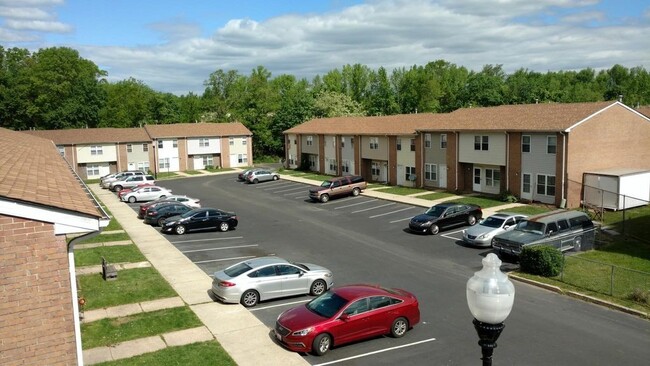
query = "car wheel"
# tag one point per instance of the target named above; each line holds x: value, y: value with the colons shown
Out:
x: 117, y: 189
x: 434, y: 229
x: 321, y: 344
x: 224, y: 226
x: 275, y: 177
x: 317, y: 287
x: 255, y: 181
x: 399, y: 327
x: 161, y: 197
x: 180, y: 229
x: 471, y: 220
x: 356, y: 191
x: 132, y: 199
x: 324, y: 198
x: 161, y: 221
x: 577, y: 243
x: 250, y: 298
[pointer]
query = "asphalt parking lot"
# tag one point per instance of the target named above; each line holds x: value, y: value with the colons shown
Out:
x: 363, y: 240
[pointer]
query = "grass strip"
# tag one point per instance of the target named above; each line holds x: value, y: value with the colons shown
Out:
x: 195, y: 354
x: 436, y: 196
x: 108, y: 332
x: 113, y: 254
x: 131, y: 286
x: 482, y: 201
x: 529, y: 210
x: 402, y: 191
x: 106, y: 238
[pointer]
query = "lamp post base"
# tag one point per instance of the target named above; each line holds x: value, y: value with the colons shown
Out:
x: 488, y: 335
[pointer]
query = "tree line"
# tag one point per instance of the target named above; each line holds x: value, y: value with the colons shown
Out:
x: 54, y: 88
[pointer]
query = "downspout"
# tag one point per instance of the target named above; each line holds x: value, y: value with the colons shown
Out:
x: 457, y: 157
x: 75, y: 299
x: 507, y: 161
x: 564, y: 160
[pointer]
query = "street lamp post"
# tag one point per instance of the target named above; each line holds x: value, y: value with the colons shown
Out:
x: 490, y: 296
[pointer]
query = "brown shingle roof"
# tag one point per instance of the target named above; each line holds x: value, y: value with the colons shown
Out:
x: 524, y: 117
x: 32, y: 170
x: 80, y: 136
x: 644, y: 111
x: 201, y: 129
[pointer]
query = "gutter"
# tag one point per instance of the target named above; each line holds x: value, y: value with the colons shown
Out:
x: 563, y: 202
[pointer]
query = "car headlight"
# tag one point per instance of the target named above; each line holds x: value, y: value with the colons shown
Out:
x: 302, y: 332
x: 484, y: 236
x: 328, y: 274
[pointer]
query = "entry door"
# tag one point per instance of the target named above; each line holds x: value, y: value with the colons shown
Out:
x: 384, y: 173
x: 442, y: 175
x: 526, y: 186
x: 476, y: 187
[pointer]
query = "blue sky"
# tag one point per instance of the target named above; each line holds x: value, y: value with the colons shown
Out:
x: 174, y: 45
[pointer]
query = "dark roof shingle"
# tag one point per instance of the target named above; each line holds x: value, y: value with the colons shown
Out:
x: 80, y: 136
x: 201, y: 129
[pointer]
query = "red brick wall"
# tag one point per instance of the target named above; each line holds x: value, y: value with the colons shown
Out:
x: 36, y: 316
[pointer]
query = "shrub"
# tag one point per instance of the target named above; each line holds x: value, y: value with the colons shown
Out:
x: 640, y: 295
x: 541, y: 260
x: 209, y: 167
x: 507, y: 196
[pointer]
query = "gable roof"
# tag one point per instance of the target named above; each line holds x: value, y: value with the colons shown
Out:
x: 201, y: 129
x: 80, y: 136
x: 33, y: 171
x: 644, y: 111
x: 395, y: 125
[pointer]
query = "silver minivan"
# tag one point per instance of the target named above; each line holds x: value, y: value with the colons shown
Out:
x: 562, y: 229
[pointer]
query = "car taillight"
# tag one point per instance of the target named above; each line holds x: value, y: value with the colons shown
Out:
x: 152, y: 213
x: 226, y: 284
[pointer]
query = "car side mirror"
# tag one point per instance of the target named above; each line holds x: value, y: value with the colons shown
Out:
x: 506, y: 227
x: 344, y: 317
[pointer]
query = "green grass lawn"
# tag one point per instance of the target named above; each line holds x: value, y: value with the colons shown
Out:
x: 529, y: 210
x: 166, y: 175
x: 633, y: 221
x: 113, y: 254
x: 104, y: 238
x: 107, y: 332
x: 196, y: 354
x: 482, y: 201
x: 436, y: 196
x: 193, y: 172
x: 317, y: 177
x: 402, y: 191
x: 216, y: 170
x: 131, y: 286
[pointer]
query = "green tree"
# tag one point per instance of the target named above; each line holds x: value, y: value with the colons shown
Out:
x: 332, y: 104
x: 127, y: 104
x: 381, y: 98
x: 295, y: 107
x: 485, y: 88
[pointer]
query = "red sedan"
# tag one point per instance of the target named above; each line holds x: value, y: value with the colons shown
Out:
x: 347, y: 314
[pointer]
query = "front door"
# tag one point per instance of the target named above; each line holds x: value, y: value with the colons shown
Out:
x: 442, y: 175
x: 526, y: 186
x: 476, y: 186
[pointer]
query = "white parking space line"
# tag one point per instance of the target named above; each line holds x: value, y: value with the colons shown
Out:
x: 213, y: 239
x: 372, y: 208
x: 301, y: 194
x: 222, y: 248
x: 278, y: 305
x: 392, y: 212
x: 375, y: 352
x: 399, y: 220
x: 355, y: 204
x: 449, y: 235
x: 225, y: 259
x: 274, y: 186
x: 290, y: 189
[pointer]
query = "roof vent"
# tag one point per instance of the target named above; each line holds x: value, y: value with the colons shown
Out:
x: 620, y: 98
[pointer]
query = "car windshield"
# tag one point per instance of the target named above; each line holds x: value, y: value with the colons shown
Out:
x: 327, y: 304
x: 435, y: 211
x: 531, y: 226
x: 492, y: 222
x: 237, y: 269
x: 326, y: 184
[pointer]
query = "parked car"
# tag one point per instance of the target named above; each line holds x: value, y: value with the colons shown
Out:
x: 445, y: 215
x: 200, y: 219
x: 337, y: 187
x: 157, y: 214
x: 562, y: 229
x: 481, y: 235
x: 259, y: 279
x: 188, y: 201
x: 242, y: 175
x: 347, y: 314
x: 130, y: 182
x: 257, y: 176
x: 107, y: 180
x: 124, y: 191
x: 146, y: 194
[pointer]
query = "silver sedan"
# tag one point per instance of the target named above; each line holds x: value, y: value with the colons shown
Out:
x: 259, y: 279
x: 481, y: 235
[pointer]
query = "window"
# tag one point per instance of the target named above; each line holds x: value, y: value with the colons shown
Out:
x: 352, y: 141
x: 129, y: 148
x: 207, y: 160
x: 492, y: 177
x: 174, y: 143
x: 291, y: 161
x: 357, y: 307
x: 285, y: 269
x: 525, y: 143
x: 61, y: 150
x: 204, y: 142
x: 295, y: 142
x: 526, y: 183
x: 244, y: 141
x: 92, y: 170
x: 443, y: 141
x: 241, y: 158
x: 551, y: 144
x: 412, y: 144
x: 163, y: 163
x: 430, y: 172
x: 264, y: 272
x: 96, y: 150
x: 563, y: 225
x: 427, y: 140
x: 345, y: 166
x: 374, y: 143
x: 160, y: 144
x: 332, y: 164
x: 546, y: 185
x: 312, y: 161
x: 145, y: 147
x: 410, y: 170
x: 481, y: 143
x: 334, y: 141
x: 231, y: 141
x: 374, y: 169
x: 310, y: 140
x: 377, y: 302
x: 342, y: 142
x: 144, y: 166
x: 399, y: 144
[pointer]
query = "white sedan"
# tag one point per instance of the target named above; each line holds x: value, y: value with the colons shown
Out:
x: 149, y: 193
x: 481, y: 235
x: 187, y: 201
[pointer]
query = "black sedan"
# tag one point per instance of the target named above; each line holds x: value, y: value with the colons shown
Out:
x: 200, y: 219
x: 445, y: 215
x: 156, y: 214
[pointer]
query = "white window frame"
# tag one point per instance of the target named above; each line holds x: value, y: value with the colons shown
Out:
x: 443, y: 141
x: 96, y: 150
x: 207, y: 160
x: 231, y: 141
x: 160, y: 144
x: 430, y: 171
x: 483, y: 143
x: 525, y: 146
x: 145, y: 147
x: 174, y: 143
x: 412, y: 144
x: 242, y: 158
x: 427, y: 140
x: 527, y: 187
x: 310, y: 140
x: 492, y: 177
x: 374, y: 143
x: 163, y: 163
x: 129, y: 148
x: 204, y: 142
x: 345, y: 166
x: 92, y: 170
x: 244, y: 141
x: 342, y: 142
x: 61, y: 150
x: 375, y: 169
x: 551, y: 144
x: 408, y: 171
x: 547, y: 189
x: 398, y: 144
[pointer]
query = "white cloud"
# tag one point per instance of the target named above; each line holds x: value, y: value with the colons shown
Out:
x: 23, y: 13
x: 39, y: 25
